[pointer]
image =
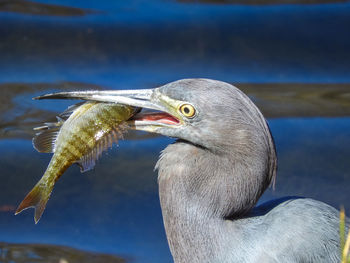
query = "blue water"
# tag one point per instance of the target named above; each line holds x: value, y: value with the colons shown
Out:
x: 149, y: 42
x: 142, y: 44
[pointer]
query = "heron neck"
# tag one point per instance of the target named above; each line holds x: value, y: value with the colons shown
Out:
x: 198, y: 191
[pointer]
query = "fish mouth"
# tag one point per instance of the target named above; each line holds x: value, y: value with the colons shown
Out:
x: 156, y: 110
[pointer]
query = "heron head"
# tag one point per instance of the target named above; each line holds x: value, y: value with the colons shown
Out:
x: 208, y: 113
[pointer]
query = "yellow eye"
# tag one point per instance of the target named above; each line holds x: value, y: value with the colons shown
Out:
x: 187, y: 110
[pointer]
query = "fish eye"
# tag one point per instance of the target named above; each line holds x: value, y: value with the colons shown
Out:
x: 187, y: 110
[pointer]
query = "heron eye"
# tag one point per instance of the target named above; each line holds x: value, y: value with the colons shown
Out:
x: 187, y: 110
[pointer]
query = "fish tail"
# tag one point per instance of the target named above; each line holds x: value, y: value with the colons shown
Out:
x: 36, y: 198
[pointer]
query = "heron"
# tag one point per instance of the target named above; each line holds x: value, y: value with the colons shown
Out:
x: 211, y: 178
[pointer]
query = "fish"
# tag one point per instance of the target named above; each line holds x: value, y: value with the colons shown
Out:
x: 80, y: 135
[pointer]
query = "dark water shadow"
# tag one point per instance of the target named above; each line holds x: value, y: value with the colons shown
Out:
x: 35, y: 8
x: 264, y: 2
x: 300, y: 100
x: 19, y: 114
x: 38, y: 253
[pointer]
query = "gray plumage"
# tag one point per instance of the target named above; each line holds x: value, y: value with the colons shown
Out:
x: 211, y: 178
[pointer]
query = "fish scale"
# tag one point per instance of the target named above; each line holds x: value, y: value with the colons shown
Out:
x: 88, y: 129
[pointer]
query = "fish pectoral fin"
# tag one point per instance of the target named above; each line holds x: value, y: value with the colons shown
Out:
x: 36, y: 198
x: 45, y: 140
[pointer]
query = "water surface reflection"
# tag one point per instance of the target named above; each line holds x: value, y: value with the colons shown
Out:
x: 25, y: 253
x: 35, y: 8
x: 264, y: 2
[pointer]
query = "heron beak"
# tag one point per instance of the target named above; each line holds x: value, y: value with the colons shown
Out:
x: 164, y: 109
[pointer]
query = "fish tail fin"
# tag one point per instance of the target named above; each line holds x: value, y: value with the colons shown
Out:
x: 36, y: 198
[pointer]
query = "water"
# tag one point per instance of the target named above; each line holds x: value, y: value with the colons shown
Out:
x: 293, y: 60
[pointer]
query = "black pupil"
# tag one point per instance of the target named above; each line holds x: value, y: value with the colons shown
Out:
x: 186, y: 110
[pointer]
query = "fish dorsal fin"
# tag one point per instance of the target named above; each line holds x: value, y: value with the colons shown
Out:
x: 88, y: 161
x: 65, y: 115
x: 45, y: 140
